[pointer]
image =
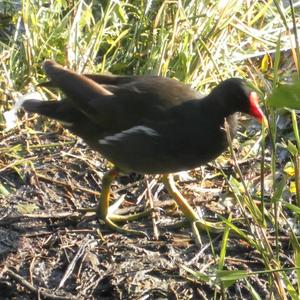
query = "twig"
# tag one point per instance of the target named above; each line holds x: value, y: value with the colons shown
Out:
x: 38, y: 291
x: 72, y: 264
x: 264, y: 243
x: 151, y: 185
x: 63, y: 215
x: 61, y: 183
x: 153, y: 214
x: 37, y: 234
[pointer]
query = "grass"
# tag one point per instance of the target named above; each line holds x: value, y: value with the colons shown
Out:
x: 200, y: 43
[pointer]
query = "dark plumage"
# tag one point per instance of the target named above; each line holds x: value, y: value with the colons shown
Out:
x: 146, y: 124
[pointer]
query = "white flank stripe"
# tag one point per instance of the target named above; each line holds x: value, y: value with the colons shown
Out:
x: 131, y: 131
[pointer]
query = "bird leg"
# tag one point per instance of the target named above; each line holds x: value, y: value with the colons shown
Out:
x: 102, y: 210
x: 188, y: 211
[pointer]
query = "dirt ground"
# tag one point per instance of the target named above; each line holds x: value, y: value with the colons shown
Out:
x: 51, y: 250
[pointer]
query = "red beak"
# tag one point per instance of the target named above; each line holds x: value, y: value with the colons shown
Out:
x: 255, y: 109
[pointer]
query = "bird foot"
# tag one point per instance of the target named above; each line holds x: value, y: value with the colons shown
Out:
x: 130, y: 217
x: 191, y: 216
x: 199, y: 225
x: 214, y: 227
x: 108, y: 221
x: 88, y: 210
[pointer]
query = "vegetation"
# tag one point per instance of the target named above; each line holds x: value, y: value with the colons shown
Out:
x: 45, y: 170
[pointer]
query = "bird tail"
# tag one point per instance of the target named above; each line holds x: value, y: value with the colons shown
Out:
x: 75, y: 86
x: 48, y: 108
x: 58, y: 110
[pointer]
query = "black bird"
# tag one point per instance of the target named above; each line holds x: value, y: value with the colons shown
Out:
x: 146, y: 124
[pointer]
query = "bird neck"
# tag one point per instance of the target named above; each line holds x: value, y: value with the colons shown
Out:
x: 220, y: 105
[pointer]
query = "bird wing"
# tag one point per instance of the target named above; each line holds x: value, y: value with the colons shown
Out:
x: 135, y: 149
x: 138, y: 98
x: 100, y: 79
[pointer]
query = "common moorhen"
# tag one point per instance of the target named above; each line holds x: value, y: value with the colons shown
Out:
x: 146, y: 124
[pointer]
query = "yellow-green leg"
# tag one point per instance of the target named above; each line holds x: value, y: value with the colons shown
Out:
x: 103, y: 207
x: 188, y: 211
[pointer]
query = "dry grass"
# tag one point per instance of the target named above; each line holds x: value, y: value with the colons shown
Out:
x: 47, y: 174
